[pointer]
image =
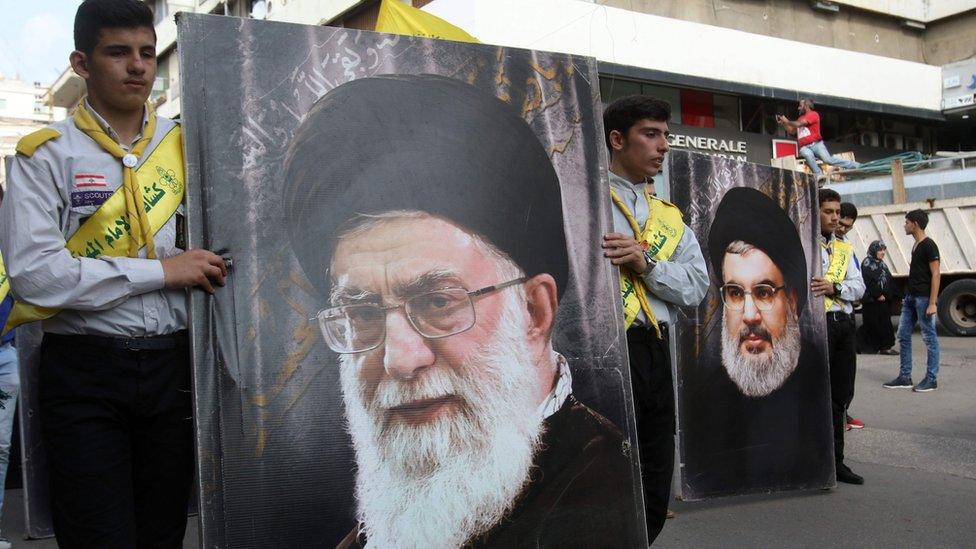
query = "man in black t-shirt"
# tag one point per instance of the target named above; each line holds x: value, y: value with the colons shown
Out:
x: 919, y: 306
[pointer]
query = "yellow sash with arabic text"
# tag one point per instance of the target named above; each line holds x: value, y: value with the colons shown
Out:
x: 841, y: 254
x: 661, y: 234
x: 107, y: 232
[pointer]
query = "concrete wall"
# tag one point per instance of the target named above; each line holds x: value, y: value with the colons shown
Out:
x: 948, y: 37
x: 850, y: 29
x: 635, y: 39
x: 951, y: 39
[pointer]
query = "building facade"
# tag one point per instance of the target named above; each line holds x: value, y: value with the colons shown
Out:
x: 878, y: 70
x: 24, y: 107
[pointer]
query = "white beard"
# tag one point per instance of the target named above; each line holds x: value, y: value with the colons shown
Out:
x: 437, y: 485
x: 757, y: 375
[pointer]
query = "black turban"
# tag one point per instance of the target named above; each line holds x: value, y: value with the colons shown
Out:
x: 427, y: 143
x: 750, y: 216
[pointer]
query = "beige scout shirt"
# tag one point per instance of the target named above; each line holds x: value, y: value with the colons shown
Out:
x: 48, y: 196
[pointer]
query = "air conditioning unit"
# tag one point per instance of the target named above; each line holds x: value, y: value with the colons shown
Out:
x: 893, y: 141
x: 868, y: 139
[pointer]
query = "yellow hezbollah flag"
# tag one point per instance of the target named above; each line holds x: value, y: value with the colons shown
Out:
x: 398, y: 18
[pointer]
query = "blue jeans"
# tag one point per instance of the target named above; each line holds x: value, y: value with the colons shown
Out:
x: 10, y: 387
x: 819, y: 150
x: 912, y: 311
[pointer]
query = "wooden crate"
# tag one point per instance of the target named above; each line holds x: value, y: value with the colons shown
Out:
x: 801, y: 164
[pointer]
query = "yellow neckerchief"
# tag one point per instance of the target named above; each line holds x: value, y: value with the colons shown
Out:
x: 841, y: 254
x: 86, y: 122
x: 108, y: 231
x: 660, y: 236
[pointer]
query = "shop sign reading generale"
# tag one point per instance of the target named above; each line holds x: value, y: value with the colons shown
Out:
x: 727, y: 148
x: 742, y: 146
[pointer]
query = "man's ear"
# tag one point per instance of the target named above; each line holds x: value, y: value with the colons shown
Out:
x: 79, y: 64
x: 616, y: 140
x: 542, y: 303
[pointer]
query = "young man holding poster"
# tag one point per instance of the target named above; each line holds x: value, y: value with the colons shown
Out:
x: 91, y: 238
x: 661, y: 265
x: 841, y: 285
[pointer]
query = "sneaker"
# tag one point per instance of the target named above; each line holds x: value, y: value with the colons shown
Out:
x: 855, y: 423
x: 900, y: 382
x: 925, y: 386
x: 889, y: 352
x: 671, y: 514
x: 844, y: 474
x: 4, y: 543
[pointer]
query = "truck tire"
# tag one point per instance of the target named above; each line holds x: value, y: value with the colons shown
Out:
x: 957, y: 308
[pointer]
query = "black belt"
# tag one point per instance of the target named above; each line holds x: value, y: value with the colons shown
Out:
x: 838, y: 316
x: 149, y: 343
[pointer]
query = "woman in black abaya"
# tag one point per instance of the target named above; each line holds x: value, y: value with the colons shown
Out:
x: 876, y: 334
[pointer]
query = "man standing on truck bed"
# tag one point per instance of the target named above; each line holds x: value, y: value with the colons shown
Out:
x: 919, y: 306
x: 807, y: 130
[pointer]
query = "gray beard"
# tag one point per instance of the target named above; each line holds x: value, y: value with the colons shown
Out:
x: 441, y: 484
x: 759, y: 375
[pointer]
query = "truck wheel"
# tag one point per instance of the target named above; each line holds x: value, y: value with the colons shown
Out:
x: 957, y: 308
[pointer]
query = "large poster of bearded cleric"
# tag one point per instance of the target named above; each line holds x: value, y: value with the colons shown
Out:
x: 419, y: 343
x: 753, y: 393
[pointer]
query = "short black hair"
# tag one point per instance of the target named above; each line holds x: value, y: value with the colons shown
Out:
x: 94, y: 15
x: 848, y: 211
x: 828, y: 195
x: 627, y: 111
x: 918, y: 217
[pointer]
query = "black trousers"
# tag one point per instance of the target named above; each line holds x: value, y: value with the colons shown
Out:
x: 876, y: 332
x: 842, y: 358
x: 117, y: 427
x: 653, y: 388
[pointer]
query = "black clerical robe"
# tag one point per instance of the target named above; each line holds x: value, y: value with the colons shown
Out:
x: 733, y: 444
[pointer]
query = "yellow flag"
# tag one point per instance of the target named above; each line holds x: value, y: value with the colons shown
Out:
x: 398, y: 18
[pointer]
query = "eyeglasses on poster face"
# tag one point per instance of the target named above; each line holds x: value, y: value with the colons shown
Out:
x: 762, y: 295
x: 437, y: 314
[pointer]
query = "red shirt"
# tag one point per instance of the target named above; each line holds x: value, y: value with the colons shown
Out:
x: 811, y: 132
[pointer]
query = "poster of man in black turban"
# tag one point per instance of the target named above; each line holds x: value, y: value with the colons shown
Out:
x: 418, y: 348
x: 753, y: 386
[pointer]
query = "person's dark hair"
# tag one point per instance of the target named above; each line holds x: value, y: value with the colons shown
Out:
x: 94, y: 15
x: 918, y: 217
x: 828, y: 195
x: 627, y: 111
x: 848, y: 211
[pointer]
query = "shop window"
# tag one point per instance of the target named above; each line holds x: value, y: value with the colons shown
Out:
x: 612, y: 89
x: 666, y: 93
x: 726, y: 109
x: 697, y: 109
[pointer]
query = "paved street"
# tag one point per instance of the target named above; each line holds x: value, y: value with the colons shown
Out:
x: 918, y: 455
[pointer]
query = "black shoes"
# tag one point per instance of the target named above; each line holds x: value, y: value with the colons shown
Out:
x: 900, y: 382
x: 844, y: 474
x: 927, y: 384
